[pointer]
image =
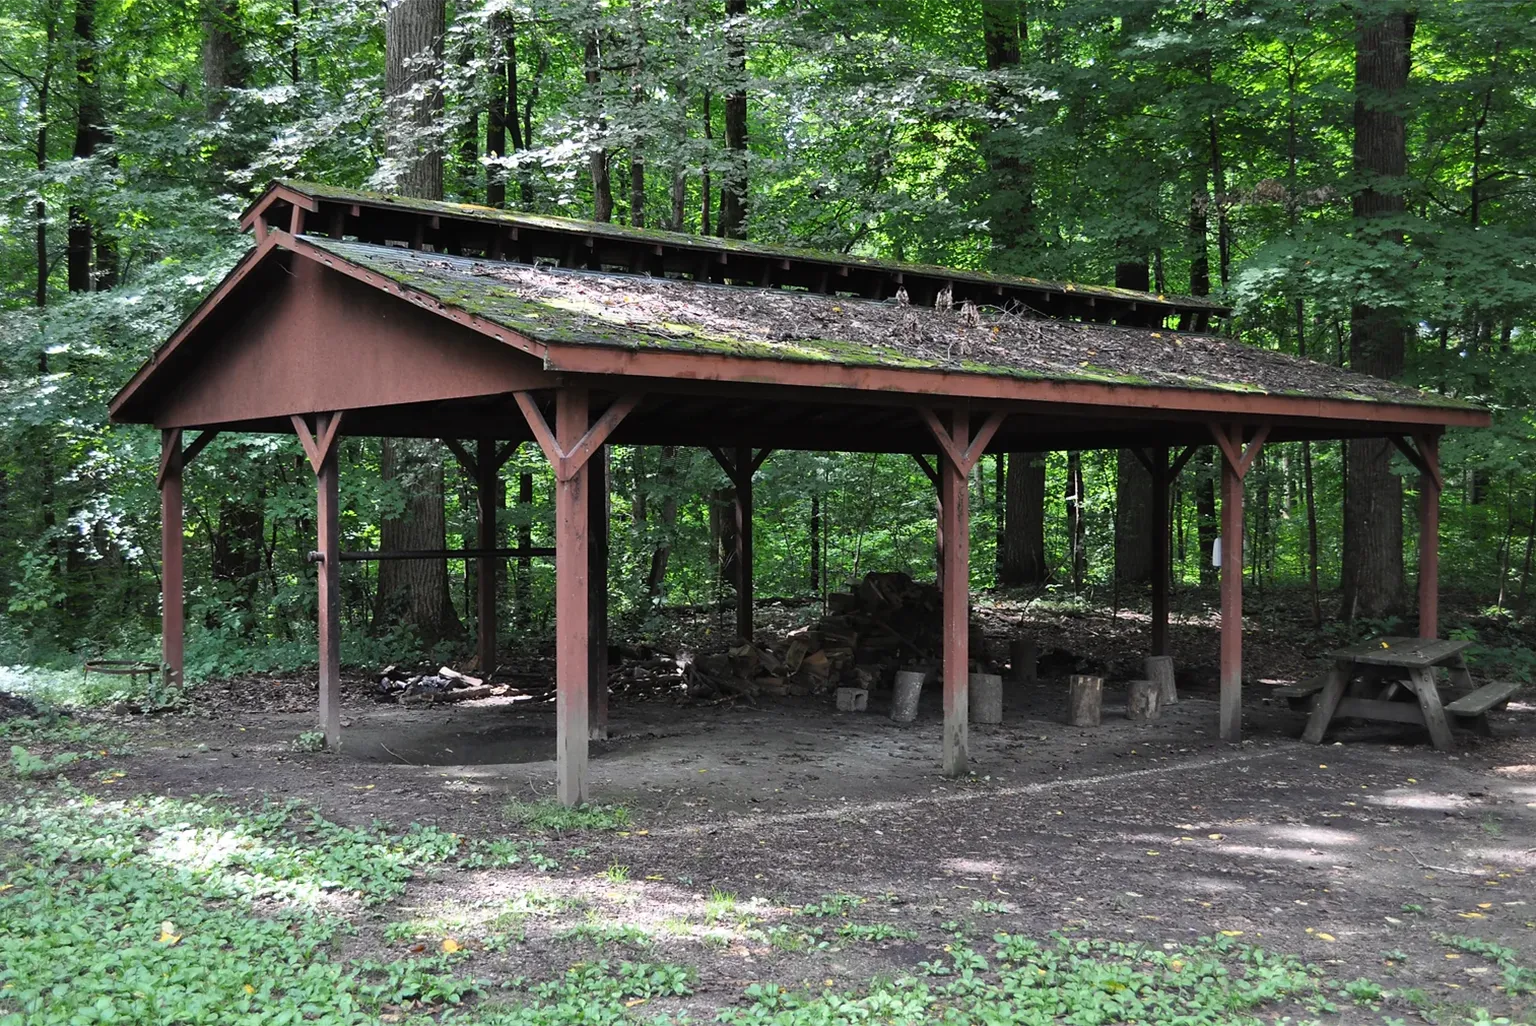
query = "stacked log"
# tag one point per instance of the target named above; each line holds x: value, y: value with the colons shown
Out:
x: 887, y: 623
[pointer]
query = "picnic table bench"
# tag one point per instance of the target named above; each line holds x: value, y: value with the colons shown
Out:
x: 1393, y: 680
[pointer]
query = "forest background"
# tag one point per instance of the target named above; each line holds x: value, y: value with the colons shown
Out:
x: 1358, y: 179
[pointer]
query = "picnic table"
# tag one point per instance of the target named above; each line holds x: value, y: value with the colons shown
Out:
x: 1393, y: 680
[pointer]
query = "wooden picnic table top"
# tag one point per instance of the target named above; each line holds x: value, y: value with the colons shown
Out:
x: 1404, y: 653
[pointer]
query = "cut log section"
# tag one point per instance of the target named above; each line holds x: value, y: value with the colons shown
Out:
x: 986, y: 698
x: 909, y: 689
x: 1160, y: 672
x: 1144, y: 702
x: 1085, y: 700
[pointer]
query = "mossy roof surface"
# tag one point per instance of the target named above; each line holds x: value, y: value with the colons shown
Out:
x: 711, y: 243
x: 635, y: 312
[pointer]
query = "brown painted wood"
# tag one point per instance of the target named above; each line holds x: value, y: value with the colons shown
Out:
x: 572, y: 600
x: 598, y: 524
x: 172, y: 592
x: 955, y: 516
x: 312, y: 340
x: 1231, y: 592
x: 328, y: 532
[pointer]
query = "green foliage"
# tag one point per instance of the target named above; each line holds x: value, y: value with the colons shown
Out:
x: 310, y: 741
x: 556, y: 818
x: 1167, y: 134
x: 832, y: 905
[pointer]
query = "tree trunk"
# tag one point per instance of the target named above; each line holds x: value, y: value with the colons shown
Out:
x: 602, y: 188
x: 1023, y: 557
x: 1010, y: 205
x: 1373, y: 499
x: 705, y: 187
x: 415, y: 591
x: 224, y: 65
x: 413, y: 45
x: 815, y: 533
x: 88, y: 136
x: 496, y: 116
x: 1074, y: 503
x: 657, y: 575
x: 1206, y: 524
x: 733, y: 191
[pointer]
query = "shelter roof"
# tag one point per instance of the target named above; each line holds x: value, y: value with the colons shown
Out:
x: 636, y: 312
x: 528, y: 237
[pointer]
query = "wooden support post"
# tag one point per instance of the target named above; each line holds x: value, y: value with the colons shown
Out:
x: 320, y: 445
x: 570, y: 448
x: 956, y: 603
x: 328, y: 527
x: 486, y: 473
x: 172, y: 597
x: 597, y: 595
x: 958, y: 454
x: 1236, y: 459
x: 1231, y: 603
x: 744, y: 577
x: 572, y: 603
x: 1429, y: 537
x: 1158, y: 465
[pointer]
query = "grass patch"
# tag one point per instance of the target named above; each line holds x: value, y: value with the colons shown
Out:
x: 556, y: 818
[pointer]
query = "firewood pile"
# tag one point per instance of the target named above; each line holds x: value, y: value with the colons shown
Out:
x: 889, y: 622
x: 446, y: 685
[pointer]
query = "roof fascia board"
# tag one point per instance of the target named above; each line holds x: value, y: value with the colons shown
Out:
x: 929, y: 384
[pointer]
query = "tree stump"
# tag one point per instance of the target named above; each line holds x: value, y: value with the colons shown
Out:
x: 986, y: 698
x: 1144, y: 702
x: 909, y: 688
x: 1085, y: 700
x: 1021, y: 660
x: 1160, y: 669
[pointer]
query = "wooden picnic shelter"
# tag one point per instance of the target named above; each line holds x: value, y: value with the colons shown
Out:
x: 360, y: 314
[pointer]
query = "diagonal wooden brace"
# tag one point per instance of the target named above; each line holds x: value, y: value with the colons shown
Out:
x: 317, y: 445
x: 568, y: 464
x: 963, y: 460
x: 1424, y: 457
x: 1229, y: 438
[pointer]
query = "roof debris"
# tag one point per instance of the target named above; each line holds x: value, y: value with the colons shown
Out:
x: 562, y: 306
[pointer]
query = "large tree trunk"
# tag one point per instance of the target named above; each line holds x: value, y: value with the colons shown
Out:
x: 1010, y: 204
x: 1373, y: 498
x: 496, y: 115
x: 413, y: 57
x: 238, y: 539
x: 1023, y: 557
x: 733, y: 188
x: 89, y: 135
x: 415, y: 592
x: 224, y: 65
x: 660, y: 556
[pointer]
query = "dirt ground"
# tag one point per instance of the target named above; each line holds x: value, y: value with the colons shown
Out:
x: 1345, y: 853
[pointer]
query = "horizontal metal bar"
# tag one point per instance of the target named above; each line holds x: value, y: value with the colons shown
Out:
x: 376, y: 557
